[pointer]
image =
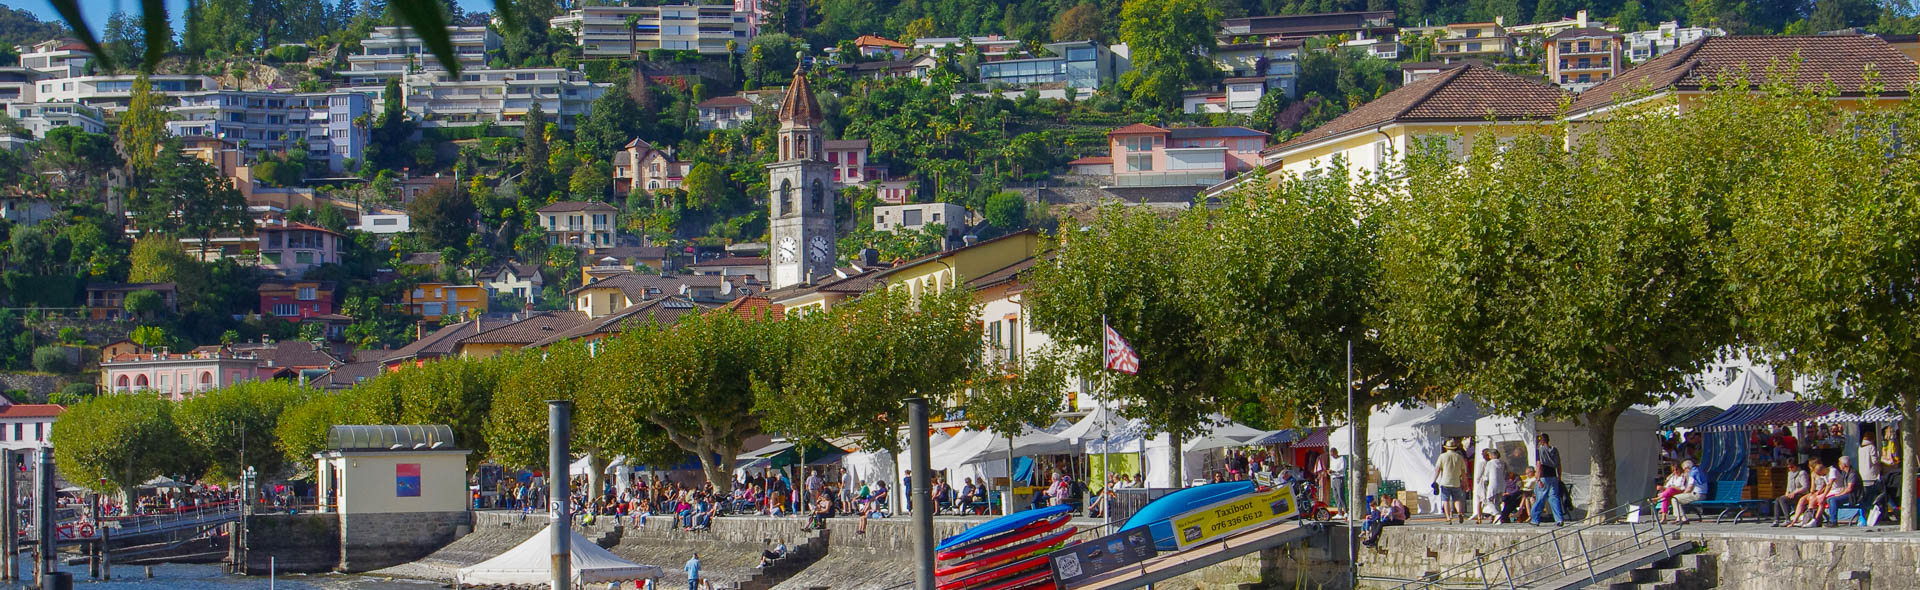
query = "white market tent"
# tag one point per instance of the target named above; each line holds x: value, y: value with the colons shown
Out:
x: 1636, y: 448
x: 1403, y: 442
x: 1090, y: 427
x: 531, y: 563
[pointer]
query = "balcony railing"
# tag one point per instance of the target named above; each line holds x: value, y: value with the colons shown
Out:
x: 1142, y: 179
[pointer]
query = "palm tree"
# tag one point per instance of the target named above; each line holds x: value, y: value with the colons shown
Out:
x: 633, y: 36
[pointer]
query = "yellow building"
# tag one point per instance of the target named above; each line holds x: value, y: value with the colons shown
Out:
x: 1473, y: 41
x: 939, y: 272
x: 431, y: 301
x: 1453, y: 107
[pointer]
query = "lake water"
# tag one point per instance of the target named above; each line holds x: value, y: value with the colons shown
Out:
x: 209, y: 577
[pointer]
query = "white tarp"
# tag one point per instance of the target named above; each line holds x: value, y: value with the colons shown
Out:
x: 963, y: 445
x: 1090, y: 427
x: 531, y: 563
x: 1636, y: 448
x: 1403, y: 442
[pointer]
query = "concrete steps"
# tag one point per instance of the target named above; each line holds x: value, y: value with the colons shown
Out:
x: 1694, y: 571
x: 798, y: 557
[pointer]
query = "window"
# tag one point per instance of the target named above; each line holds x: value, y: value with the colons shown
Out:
x: 140, y: 382
x: 1473, y: 46
x: 303, y: 257
x: 1140, y: 162
x: 16, y: 430
x: 122, y: 384
x: 163, y: 381
x: 307, y: 294
x: 206, y: 379
x: 286, y: 309
x: 39, y: 431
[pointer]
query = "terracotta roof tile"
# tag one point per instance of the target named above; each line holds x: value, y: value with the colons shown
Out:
x: 530, y: 329
x: 31, y: 410
x: 1459, y: 94
x: 799, y: 104
x: 1137, y: 128
x: 1841, y: 59
x: 725, y: 101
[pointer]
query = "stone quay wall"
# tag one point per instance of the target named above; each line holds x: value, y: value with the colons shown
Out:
x: 295, y: 543
x: 373, y: 541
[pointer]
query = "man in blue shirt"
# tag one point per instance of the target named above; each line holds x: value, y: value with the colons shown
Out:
x: 693, y: 572
x: 906, y: 490
x: 1547, y: 493
x: 1846, y: 489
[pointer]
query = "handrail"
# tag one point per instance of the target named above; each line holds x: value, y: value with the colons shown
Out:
x: 1476, y: 569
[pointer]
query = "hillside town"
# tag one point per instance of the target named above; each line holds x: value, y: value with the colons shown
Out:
x: 1122, y: 247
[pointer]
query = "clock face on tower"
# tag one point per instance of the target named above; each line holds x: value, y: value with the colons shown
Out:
x: 789, y: 249
x: 819, y: 249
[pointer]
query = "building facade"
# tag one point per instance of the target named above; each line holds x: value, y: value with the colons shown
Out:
x: 1358, y: 25
x: 582, y: 224
x: 725, y: 112
x: 1487, y: 41
x: 291, y: 249
x: 853, y: 162
x: 332, y: 124
x: 1144, y: 155
x: 113, y: 93
x: 639, y: 165
x: 1075, y: 64
x: 179, y: 376
x: 602, y: 31
x: 893, y: 218
x: 107, y: 301
x: 1578, y: 59
x: 61, y: 58
x: 296, y: 300
x: 1649, y: 44
x: 503, y: 97
x: 393, y: 52
x: 41, y: 117
x: 431, y: 301
x: 27, y: 426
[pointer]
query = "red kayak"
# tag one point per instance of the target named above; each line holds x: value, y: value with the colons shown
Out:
x: 1042, y: 544
x: 1038, y: 527
x: 1011, y: 571
x: 1034, y: 580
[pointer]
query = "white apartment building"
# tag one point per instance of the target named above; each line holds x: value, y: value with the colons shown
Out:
x: 1645, y: 45
x: 63, y: 58
x: 275, y: 121
x: 41, y: 117
x: 602, y: 30
x: 501, y: 96
x: 394, y: 51
x: 18, y: 84
x: 112, y: 93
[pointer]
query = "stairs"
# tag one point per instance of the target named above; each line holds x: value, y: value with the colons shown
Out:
x: 1694, y: 571
x: 798, y: 557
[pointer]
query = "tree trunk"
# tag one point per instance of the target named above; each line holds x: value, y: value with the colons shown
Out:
x: 1908, y: 429
x: 596, y: 473
x: 1357, y: 458
x: 717, y: 472
x: 1178, y: 475
x: 1601, y: 486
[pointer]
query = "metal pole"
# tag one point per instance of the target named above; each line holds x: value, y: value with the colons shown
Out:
x: 45, y: 498
x: 559, y: 437
x: 1353, y: 447
x: 11, y: 544
x: 922, y: 496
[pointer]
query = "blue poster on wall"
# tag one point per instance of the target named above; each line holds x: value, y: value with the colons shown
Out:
x: 406, y: 480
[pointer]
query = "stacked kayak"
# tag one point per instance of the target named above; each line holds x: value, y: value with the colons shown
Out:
x: 1006, y: 553
x: 1158, y: 515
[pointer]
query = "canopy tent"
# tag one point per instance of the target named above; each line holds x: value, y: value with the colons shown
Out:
x: 1277, y: 437
x: 531, y: 563
x: 1403, y: 442
x: 581, y: 466
x: 162, y: 482
x: 1882, y: 414
x: 1089, y: 427
x: 1636, y: 450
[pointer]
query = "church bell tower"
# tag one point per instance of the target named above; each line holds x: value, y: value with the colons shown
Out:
x: 803, y: 245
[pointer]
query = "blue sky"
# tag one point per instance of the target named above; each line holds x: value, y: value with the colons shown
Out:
x: 97, y: 11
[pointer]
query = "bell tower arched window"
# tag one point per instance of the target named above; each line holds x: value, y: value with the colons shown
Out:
x: 817, y: 201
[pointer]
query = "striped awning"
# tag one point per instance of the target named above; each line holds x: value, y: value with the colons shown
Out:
x: 1749, y: 416
x: 1873, y: 415
x: 1279, y: 437
x: 1687, y: 417
x: 1313, y: 440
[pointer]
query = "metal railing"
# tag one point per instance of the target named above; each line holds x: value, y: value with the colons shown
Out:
x: 1574, y: 550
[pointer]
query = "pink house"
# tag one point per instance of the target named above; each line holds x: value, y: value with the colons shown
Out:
x: 1144, y: 155
x: 179, y: 376
x: 852, y: 164
x: 291, y: 249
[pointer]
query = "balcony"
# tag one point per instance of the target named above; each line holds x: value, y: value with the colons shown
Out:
x: 1188, y: 178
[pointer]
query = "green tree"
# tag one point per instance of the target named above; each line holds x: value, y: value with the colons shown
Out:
x: 123, y: 440
x: 615, y: 119
x: 1833, y: 206
x: 159, y: 259
x: 190, y: 198
x: 709, y: 190
x: 1564, y: 283
x: 591, y: 181
x: 80, y: 161
x: 1285, y: 279
x: 235, y: 427
x: 152, y: 337
x: 387, y: 145
x: 1126, y: 269
x: 52, y: 359
x: 143, y: 128
x: 144, y: 303
x: 1082, y: 22
x: 1170, y: 40
x: 853, y: 366
x: 1007, y: 210
x: 442, y: 217
x: 536, y: 173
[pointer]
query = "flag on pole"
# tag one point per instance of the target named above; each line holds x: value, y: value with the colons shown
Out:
x: 1120, y: 355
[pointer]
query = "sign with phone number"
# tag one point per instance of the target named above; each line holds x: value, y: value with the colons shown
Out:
x: 1224, y: 518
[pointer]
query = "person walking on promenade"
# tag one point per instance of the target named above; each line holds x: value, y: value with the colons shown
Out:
x: 1491, y: 484
x: 1547, y: 491
x: 693, y: 572
x: 1449, y: 471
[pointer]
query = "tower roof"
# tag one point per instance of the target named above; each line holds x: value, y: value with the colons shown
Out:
x: 799, y: 105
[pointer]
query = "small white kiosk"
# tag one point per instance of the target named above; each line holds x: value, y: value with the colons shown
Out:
x: 400, y: 491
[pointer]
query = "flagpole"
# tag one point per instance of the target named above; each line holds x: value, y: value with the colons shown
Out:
x: 1353, y: 445
x: 1106, y: 454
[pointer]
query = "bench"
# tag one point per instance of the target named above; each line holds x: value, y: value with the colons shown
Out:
x: 1726, y: 497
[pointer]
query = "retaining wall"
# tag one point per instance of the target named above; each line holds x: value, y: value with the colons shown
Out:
x: 373, y: 541
x: 297, y: 543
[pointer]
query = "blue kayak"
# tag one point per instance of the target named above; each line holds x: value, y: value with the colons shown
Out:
x: 1005, y: 524
x: 1158, y: 515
